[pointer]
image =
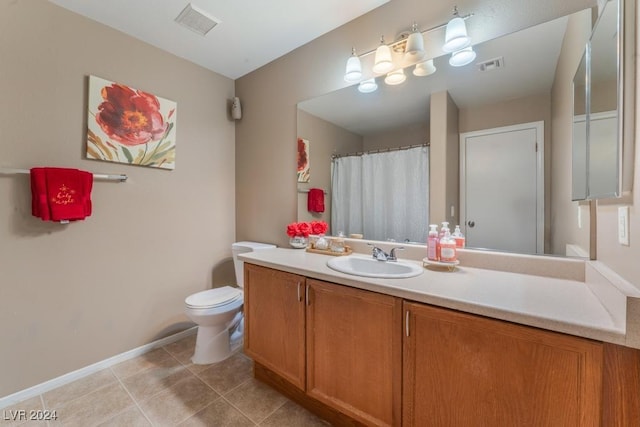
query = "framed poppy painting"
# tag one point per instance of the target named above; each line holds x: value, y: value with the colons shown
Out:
x: 127, y: 125
x: 303, y: 160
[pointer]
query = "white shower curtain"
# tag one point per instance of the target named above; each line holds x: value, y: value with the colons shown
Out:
x: 384, y: 196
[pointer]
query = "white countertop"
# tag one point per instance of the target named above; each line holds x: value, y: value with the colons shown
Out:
x: 561, y: 305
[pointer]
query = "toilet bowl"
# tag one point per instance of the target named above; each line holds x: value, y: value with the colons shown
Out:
x: 218, y: 313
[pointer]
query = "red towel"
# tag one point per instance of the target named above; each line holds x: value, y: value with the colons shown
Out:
x: 59, y: 194
x: 315, y: 200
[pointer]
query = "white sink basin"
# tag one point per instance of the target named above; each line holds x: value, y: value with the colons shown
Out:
x: 370, y: 267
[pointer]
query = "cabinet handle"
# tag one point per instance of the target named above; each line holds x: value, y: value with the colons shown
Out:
x: 299, y: 296
x: 306, y: 295
x: 406, y: 322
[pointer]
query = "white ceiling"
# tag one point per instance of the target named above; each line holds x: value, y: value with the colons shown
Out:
x: 251, y: 34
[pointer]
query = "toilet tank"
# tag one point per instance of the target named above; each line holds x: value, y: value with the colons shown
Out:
x: 242, y: 247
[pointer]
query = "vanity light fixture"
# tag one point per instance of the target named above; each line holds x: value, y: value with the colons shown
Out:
x: 424, y: 68
x: 383, y: 62
x: 395, y: 77
x: 456, y: 37
x: 462, y: 57
x: 368, y: 86
x: 411, y: 46
x: 353, y: 72
x: 414, y: 50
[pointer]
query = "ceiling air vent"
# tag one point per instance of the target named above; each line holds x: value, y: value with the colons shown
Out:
x: 197, y: 20
x: 492, y: 64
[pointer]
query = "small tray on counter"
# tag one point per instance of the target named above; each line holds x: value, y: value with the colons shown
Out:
x: 451, y: 266
x: 347, y: 251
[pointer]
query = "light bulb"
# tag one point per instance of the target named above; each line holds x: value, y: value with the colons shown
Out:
x: 383, y: 61
x: 425, y: 68
x: 456, y: 34
x: 462, y: 57
x: 368, y: 86
x: 353, y: 71
x: 415, y: 45
x: 395, y: 77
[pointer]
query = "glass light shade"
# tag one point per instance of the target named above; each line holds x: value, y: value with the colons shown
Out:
x: 456, y: 35
x: 395, y: 77
x: 383, y: 61
x: 462, y: 57
x: 425, y: 68
x: 415, y: 47
x: 368, y: 86
x: 353, y: 72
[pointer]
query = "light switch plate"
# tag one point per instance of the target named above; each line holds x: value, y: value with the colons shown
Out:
x: 623, y: 225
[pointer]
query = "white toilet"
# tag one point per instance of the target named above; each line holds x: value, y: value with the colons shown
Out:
x: 218, y: 313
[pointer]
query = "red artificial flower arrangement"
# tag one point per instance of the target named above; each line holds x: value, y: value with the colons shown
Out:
x: 305, y: 228
x: 319, y: 227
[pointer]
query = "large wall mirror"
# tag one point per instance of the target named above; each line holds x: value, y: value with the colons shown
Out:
x: 527, y: 79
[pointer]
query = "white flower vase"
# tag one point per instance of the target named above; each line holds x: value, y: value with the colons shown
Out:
x: 322, y: 243
x: 299, y: 242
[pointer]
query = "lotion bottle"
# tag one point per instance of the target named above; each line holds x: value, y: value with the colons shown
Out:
x: 448, y: 251
x: 458, y: 237
x: 432, y: 243
x: 443, y: 230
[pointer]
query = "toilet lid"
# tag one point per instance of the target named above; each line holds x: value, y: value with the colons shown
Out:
x: 214, y: 297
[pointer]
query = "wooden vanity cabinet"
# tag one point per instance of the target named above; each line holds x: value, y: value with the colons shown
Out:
x: 341, y: 346
x: 354, y: 357
x: 466, y: 370
x: 275, y: 321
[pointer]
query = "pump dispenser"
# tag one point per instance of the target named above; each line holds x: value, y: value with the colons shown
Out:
x: 432, y: 243
x: 448, y: 251
x: 458, y: 237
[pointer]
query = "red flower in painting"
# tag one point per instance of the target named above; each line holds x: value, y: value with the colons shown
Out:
x: 131, y: 117
x: 302, y: 155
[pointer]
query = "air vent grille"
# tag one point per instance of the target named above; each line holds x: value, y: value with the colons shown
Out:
x: 492, y: 64
x: 197, y: 20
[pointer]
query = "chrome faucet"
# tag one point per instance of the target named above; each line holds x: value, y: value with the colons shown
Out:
x: 381, y: 255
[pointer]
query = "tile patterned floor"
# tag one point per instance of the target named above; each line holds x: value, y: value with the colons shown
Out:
x: 163, y: 388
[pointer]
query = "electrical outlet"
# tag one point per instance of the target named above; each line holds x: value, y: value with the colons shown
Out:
x: 623, y: 225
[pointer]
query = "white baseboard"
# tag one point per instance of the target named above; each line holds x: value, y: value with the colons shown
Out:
x: 41, y: 388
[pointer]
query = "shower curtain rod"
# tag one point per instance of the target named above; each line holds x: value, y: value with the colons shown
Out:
x: 11, y: 171
x: 379, y: 150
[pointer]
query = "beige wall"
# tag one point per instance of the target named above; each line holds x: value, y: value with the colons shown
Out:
x: 444, y: 163
x: 325, y: 139
x: 415, y: 134
x: 564, y: 218
x: 72, y: 295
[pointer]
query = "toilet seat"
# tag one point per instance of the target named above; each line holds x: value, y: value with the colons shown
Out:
x: 213, y: 298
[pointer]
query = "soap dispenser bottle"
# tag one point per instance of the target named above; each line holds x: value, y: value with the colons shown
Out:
x: 448, y: 251
x: 443, y: 230
x: 432, y: 243
x: 458, y: 237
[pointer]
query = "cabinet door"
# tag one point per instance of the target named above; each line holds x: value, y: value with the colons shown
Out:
x: 354, y: 352
x: 465, y: 370
x: 275, y: 321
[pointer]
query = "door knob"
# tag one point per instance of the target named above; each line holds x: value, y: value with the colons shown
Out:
x: 471, y: 224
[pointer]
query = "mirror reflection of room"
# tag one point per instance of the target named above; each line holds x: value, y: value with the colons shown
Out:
x: 458, y: 112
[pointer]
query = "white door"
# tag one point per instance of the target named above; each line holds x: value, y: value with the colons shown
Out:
x: 502, y: 188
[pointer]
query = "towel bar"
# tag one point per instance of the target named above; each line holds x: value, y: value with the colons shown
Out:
x: 119, y: 177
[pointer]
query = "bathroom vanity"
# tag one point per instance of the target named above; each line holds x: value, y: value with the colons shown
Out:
x: 469, y: 347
